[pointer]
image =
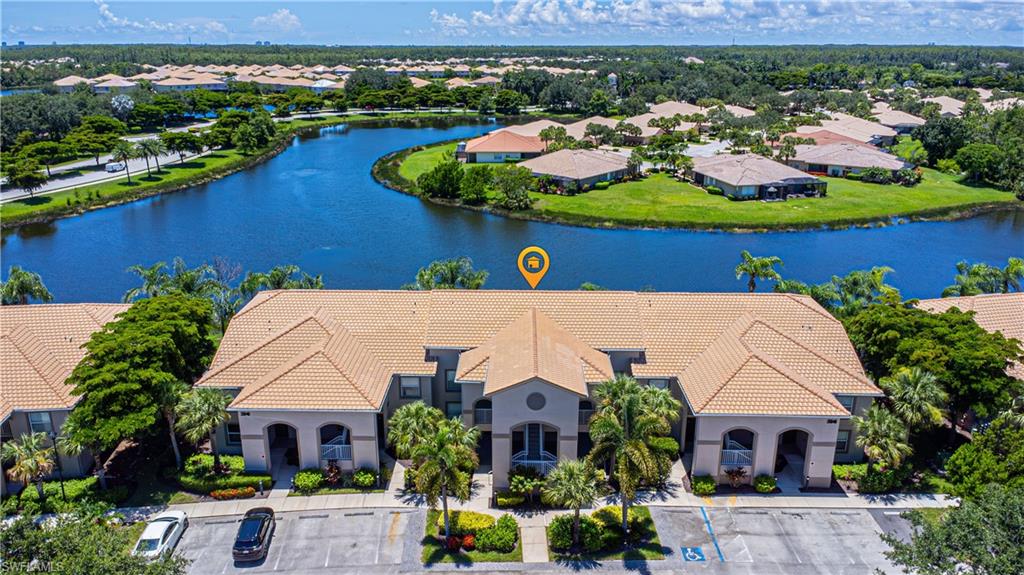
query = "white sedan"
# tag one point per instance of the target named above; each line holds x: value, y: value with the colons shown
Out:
x: 162, y: 534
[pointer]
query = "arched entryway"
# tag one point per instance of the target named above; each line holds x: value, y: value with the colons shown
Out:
x: 335, y: 445
x: 535, y: 445
x: 283, y: 446
x: 791, y: 459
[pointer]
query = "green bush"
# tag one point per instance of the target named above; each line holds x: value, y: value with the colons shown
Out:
x: 500, y: 538
x: 591, y: 533
x: 309, y: 480
x: 908, y: 177
x: 506, y: 499
x: 876, y: 175
x: 882, y: 481
x: 715, y: 191
x: 602, y: 185
x: 854, y: 177
x: 202, y: 464
x: 667, y: 446
x: 764, y: 484
x: 78, y: 491
x: 198, y: 476
x: 704, y: 485
x: 365, y: 478
x: 948, y: 166
x: 852, y: 472
x: 465, y: 522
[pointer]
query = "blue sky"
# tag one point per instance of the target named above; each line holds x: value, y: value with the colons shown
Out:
x: 421, y: 22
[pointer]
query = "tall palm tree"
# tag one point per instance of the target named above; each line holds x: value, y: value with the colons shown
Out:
x: 141, y: 152
x: 154, y: 280
x: 200, y: 413
x: 153, y: 147
x: 169, y: 397
x: 123, y: 151
x: 441, y: 461
x: 22, y: 285
x: 197, y: 281
x: 574, y: 484
x: 1013, y: 273
x: 628, y: 417
x: 757, y: 268
x: 31, y: 459
x: 455, y: 273
x: 411, y: 424
x: 974, y: 279
x: 915, y: 396
x: 882, y: 436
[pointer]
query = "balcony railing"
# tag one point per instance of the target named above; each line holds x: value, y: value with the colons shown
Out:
x: 543, y: 462
x: 585, y: 416
x: 737, y: 457
x: 482, y: 416
x: 336, y: 449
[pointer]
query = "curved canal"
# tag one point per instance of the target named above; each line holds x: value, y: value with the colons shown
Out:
x: 316, y: 205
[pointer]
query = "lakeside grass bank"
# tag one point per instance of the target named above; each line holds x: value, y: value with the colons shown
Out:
x: 661, y: 201
x: 177, y: 176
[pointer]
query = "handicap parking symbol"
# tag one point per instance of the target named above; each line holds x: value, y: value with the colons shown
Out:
x: 692, y: 553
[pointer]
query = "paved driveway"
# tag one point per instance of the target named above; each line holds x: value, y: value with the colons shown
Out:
x: 337, y: 541
x: 775, y: 541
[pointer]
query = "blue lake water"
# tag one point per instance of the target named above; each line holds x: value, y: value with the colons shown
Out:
x: 316, y: 205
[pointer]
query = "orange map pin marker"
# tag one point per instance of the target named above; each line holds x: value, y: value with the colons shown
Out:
x: 533, y: 264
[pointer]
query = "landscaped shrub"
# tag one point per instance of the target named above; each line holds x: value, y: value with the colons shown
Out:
x: 453, y: 543
x: 309, y: 480
x: 465, y: 522
x: 365, y: 478
x: 78, y: 491
x: 853, y: 176
x: 764, y: 484
x: 853, y: 472
x: 469, y: 542
x: 715, y: 191
x: 198, y: 476
x: 602, y: 185
x: 501, y: 538
x: 948, y: 166
x: 876, y: 175
x: 704, y: 485
x: 243, y: 493
x: 505, y: 499
x: 667, y: 446
x: 202, y: 464
x: 560, y: 533
x: 908, y: 177
x: 876, y: 480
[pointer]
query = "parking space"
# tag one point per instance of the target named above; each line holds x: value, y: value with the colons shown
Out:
x: 775, y: 541
x: 326, y: 541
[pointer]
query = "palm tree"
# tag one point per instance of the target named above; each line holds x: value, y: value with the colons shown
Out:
x: 1012, y: 274
x: 573, y: 484
x: 154, y: 280
x: 441, y: 460
x: 411, y: 424
x: 140, y: 152
x: 1015, y: 413
x: 170, y: 396
x: 152, y: 147
x: 200, y: 413
x: 456, y: 273
x: 974, y: 279
x: 915, y: 396
x: 882, y: 436
x: 69, y: 442
x: 197, y: 281
x: 22, y: 285
x: 122, y: 152
x: 628, y: 417
x: 31, y: 460
x: 757, y: 268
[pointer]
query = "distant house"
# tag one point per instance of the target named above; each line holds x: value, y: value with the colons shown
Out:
x: 40, y: 346
x: 822, y: 138
x: 578, y: 129
x: 67, y: 84
x: 842, y: 158
x: 582, y: 167
x: 646, y: 130
x: 739, y: 111
x: 672, y: 108
x: 321, y: 86
x: 1004, y: 104
x: 1003, y: 313
x: 898, y: 120
x: 500, y: 146
x: 486, y: 81
x: 174, y: 84
x: 419, y: 82
x: 750, y: 176
x: 859, y: 129
x: 113, y: 85
x: 532, y: 128
x: 948, y: 107
x: 454, y: 83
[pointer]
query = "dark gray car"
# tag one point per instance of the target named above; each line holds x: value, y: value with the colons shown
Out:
x: 254, y: 533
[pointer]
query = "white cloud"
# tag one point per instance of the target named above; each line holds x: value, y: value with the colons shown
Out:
x: 450, y: 24
x: 281, y: 21
x: 203, y: 26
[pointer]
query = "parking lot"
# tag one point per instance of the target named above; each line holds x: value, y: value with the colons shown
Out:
x: 775, y: 541
x: 336, y: 541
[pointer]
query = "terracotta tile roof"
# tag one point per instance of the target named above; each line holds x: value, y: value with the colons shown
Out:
x: 892, y: 118
x: 534, y: 346
x: 794, y: 354
x: 577, y: 164
x: 40, y: 345
x: 1003, y: 313
x: 847, y: 154
x: 748, y: 170
x: 532, y: 128
x: 947, y: 105
x: 852, y: 127
x: 503, y: 141
x: 578, y: 129
x: 823, y: 137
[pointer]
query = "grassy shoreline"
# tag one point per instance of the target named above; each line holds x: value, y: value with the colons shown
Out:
x: 659, y: 202
x: 176, y: 177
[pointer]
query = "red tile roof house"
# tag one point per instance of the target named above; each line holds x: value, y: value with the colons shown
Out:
x: 762, y: 378
x: 40, y: 345
x: 840, y: 159
x: 499, y: 147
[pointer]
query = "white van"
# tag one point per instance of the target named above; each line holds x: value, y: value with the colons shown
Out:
x: 115, y: 167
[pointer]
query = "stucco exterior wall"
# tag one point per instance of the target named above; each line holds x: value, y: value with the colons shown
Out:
x: 561, y: 411
x: 820, y: 450
x: 73, y: 466
x: 362, y: 427
x: 853, y: 453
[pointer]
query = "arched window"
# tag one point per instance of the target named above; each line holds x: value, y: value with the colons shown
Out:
x: 482, y: 412
x: 335, y: 443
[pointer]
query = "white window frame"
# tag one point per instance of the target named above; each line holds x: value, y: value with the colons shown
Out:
x: 407, y: 384
x: 45, y: 423
x: 844, y: 443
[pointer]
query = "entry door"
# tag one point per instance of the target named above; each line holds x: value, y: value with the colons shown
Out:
x: 534, y: 441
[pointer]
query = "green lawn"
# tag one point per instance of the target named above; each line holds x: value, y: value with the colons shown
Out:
x: 170, y: 174
x: 434, y: 551
x: 424, y: 160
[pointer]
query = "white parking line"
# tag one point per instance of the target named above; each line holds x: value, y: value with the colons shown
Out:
x: 785, y: 537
